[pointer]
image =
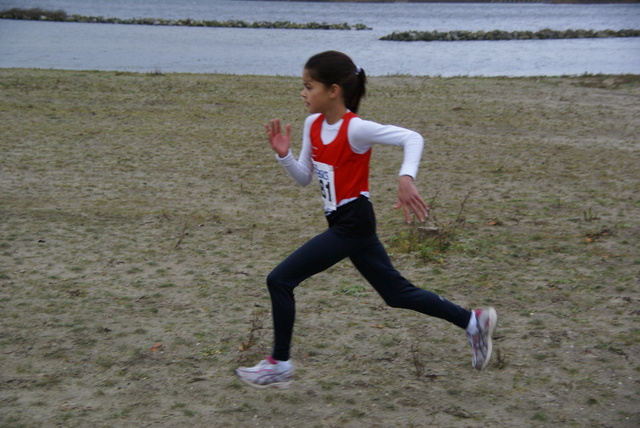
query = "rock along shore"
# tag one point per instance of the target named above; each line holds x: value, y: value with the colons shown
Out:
x: 452, y: 36
x: 37, y: 14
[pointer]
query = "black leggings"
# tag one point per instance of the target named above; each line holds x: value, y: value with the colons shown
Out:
x: 368, y: 255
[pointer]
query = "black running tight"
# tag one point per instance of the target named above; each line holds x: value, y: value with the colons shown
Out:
x: 370, y: 258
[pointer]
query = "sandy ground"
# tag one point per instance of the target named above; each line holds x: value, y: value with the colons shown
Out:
x: 140, y: 214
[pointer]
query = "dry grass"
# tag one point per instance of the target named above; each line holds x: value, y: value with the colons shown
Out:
x: 141, y: 213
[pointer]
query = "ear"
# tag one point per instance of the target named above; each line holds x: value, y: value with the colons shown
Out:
x: 335, y: 91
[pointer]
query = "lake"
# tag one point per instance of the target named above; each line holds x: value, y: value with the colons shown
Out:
x: 140, y: 48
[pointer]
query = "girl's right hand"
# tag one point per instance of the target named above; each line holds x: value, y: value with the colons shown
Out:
x: 279, y: 143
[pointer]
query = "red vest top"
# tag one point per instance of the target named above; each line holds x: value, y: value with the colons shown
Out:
x: 342, y: 173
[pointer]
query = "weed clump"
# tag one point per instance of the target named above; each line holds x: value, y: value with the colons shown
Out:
x: 431, y: 243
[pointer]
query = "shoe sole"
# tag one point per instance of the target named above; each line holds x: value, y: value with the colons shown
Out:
x: 493, y: 323
x: 275, y: 385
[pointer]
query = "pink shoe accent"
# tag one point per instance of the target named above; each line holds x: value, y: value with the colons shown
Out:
x: 271, y: 360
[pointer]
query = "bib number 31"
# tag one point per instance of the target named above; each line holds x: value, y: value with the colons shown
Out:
x: 325, y: 176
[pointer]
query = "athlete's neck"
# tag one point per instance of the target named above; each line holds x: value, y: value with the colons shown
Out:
x: 334, y: 115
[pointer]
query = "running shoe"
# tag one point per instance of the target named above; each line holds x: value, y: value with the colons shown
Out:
x: 268, y: 373
x: 480, y: 342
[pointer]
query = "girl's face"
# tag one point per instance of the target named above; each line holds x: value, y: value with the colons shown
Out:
x: 317, y: 96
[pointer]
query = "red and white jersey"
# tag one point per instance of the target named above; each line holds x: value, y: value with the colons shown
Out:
x: 343, y: 174
x: 341, y: 165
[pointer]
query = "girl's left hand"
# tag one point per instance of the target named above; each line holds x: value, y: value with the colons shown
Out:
x: 410, y: 200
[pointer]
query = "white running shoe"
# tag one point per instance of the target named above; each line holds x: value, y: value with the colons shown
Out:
x: 480, y: 342
x: 268, y: 373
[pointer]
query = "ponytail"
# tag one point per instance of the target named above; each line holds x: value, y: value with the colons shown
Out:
x: 333, y: 67
x: 360, y: 90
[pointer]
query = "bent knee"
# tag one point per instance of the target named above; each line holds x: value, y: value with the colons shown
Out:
x: 405, y: 299
x: 273, y: 279
x: 394, y: 301
x: 277, y: 281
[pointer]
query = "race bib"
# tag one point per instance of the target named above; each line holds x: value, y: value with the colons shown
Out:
x: 325, y: 176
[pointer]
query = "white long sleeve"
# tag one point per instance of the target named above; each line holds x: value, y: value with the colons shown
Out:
x: 363, y: 134
x: 301, y: 170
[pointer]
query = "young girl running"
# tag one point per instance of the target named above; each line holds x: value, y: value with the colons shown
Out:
x: 336, y: 148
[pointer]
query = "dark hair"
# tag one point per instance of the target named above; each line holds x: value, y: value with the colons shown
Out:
x: 333, y: 67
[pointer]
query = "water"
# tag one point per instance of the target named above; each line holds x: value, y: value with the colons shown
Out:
x: 283, y: 52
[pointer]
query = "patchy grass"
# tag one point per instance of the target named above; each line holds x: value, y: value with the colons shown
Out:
x: 142, y: 212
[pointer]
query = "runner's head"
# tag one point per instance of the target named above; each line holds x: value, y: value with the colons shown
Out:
x: 336, y: 68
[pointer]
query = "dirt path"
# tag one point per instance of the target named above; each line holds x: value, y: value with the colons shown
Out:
x: 141, y: 213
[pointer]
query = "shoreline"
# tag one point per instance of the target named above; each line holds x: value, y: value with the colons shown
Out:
x: 158, y: 72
